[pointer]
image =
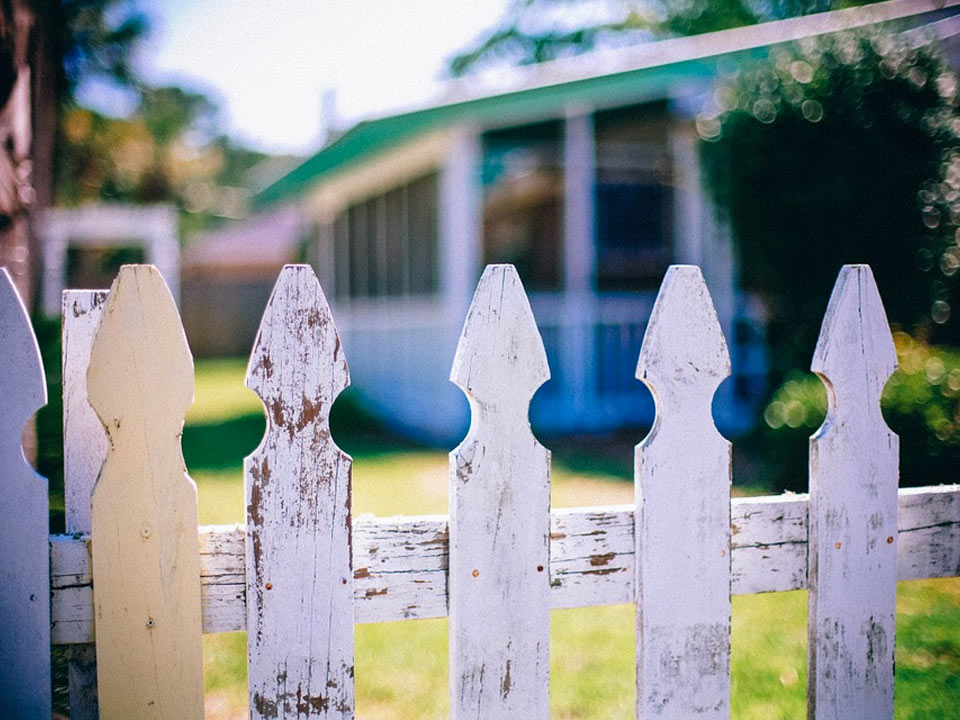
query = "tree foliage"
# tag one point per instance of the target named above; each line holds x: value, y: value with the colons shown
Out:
x: 835, y: 150
x: 534, y: 31
x: 95, y: 40
x: 921, y: 403
x: 169, y: 149
x: 840, y: 149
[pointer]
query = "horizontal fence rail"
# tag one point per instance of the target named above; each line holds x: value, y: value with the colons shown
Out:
x: 400, y: 564
x: 302, y: 569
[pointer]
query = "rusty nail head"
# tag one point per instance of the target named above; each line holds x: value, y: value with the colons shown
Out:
x: 837, y: 545
x: 476, y: 573
x: 890, y: 540
x: 269, y: 586
x: 539, y: 568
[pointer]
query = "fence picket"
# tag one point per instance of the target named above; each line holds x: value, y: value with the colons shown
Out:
x: 25, y: 562
x: 146, y: 557
x: 853, y: 511
x: 497, y: 565
x: 84, y: 449
x: 499, y: 513
x: 299, y: 568
x: 682, y: 535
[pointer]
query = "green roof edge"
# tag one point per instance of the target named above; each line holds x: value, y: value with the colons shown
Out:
x: 528, y: 105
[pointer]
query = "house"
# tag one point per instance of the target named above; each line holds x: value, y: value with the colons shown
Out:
x: 227, y: 275
x: 584, y: 174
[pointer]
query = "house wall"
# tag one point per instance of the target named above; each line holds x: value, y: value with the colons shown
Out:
x: 227, y: 276
x: 221, y: 312
x: 592, y: 338
x: 375, y: 177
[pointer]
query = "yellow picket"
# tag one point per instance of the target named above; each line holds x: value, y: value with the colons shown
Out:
x: 144, y: 521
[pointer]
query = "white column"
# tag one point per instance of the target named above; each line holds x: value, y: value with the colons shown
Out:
x: 460, y: 222
x: 322, y: 257
x: 579, y: 247
x: 687, y: 196
x: 460, y: 241
x: 579, y: 255
x: 702, y: 237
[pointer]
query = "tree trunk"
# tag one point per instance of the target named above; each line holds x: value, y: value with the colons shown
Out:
x: 27, y: 104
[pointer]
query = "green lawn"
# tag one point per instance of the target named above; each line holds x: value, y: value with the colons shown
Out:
x: 401, y: 668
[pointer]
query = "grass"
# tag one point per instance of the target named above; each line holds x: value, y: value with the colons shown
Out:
x: 401, y: 667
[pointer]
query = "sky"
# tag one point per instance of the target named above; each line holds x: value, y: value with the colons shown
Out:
x: 268, y: 62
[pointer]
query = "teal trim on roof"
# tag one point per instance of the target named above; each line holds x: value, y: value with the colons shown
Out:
x: 374, y: 136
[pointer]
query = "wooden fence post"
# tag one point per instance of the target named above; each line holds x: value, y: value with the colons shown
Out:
x: 84, y: 449
x: 682, y: 520
x: 299, y: 564
x: 499, y: 513
x: 146, y: 558
x: 852, y: 548
x: 24, y: 530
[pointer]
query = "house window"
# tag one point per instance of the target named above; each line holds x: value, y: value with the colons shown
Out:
x: 634, y: 197
x: 523, y: 202
x: 386, y: 246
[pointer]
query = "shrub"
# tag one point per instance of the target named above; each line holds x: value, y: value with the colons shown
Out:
x: 921, y: 403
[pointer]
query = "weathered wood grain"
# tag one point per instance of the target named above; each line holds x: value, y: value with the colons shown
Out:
x: 854, y: 464
x: 400, y: 564
x: 769, y: 543
x: 499, y: 513
x: 25, y: 562
x: 84, y: 438
x: 927, y: 543
x: 144, y: 517
x: 84, y: 449
x: 682, y: 476
x: 299, y: 574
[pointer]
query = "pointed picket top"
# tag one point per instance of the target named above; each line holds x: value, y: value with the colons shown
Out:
x: 299, y: 562
x: 683, y: 346
x: 855, y: 354
x: 499, y: 514
x: 500, y: 357
x: 852, y: 516
x: 682, y: 526
x: 22, y: 384
x: 144, y: 546
x: 140, y: 340
x: 298, y: 320
x: 25, y: 563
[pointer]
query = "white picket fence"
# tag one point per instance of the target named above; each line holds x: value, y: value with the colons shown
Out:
x: 137, y: 577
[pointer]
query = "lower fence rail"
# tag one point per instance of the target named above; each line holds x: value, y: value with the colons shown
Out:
x: 400, y: 564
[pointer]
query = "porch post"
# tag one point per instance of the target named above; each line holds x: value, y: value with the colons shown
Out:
x: 322, y: 256
x: 702, y: 237
x: 579, y: 255
x: 460, y: 222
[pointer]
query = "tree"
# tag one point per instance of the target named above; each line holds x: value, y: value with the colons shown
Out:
x: 839, y: 149
x: 846, y: 148
x: 168, y: 150
x: 46, y: 49
x: 534, y: 31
